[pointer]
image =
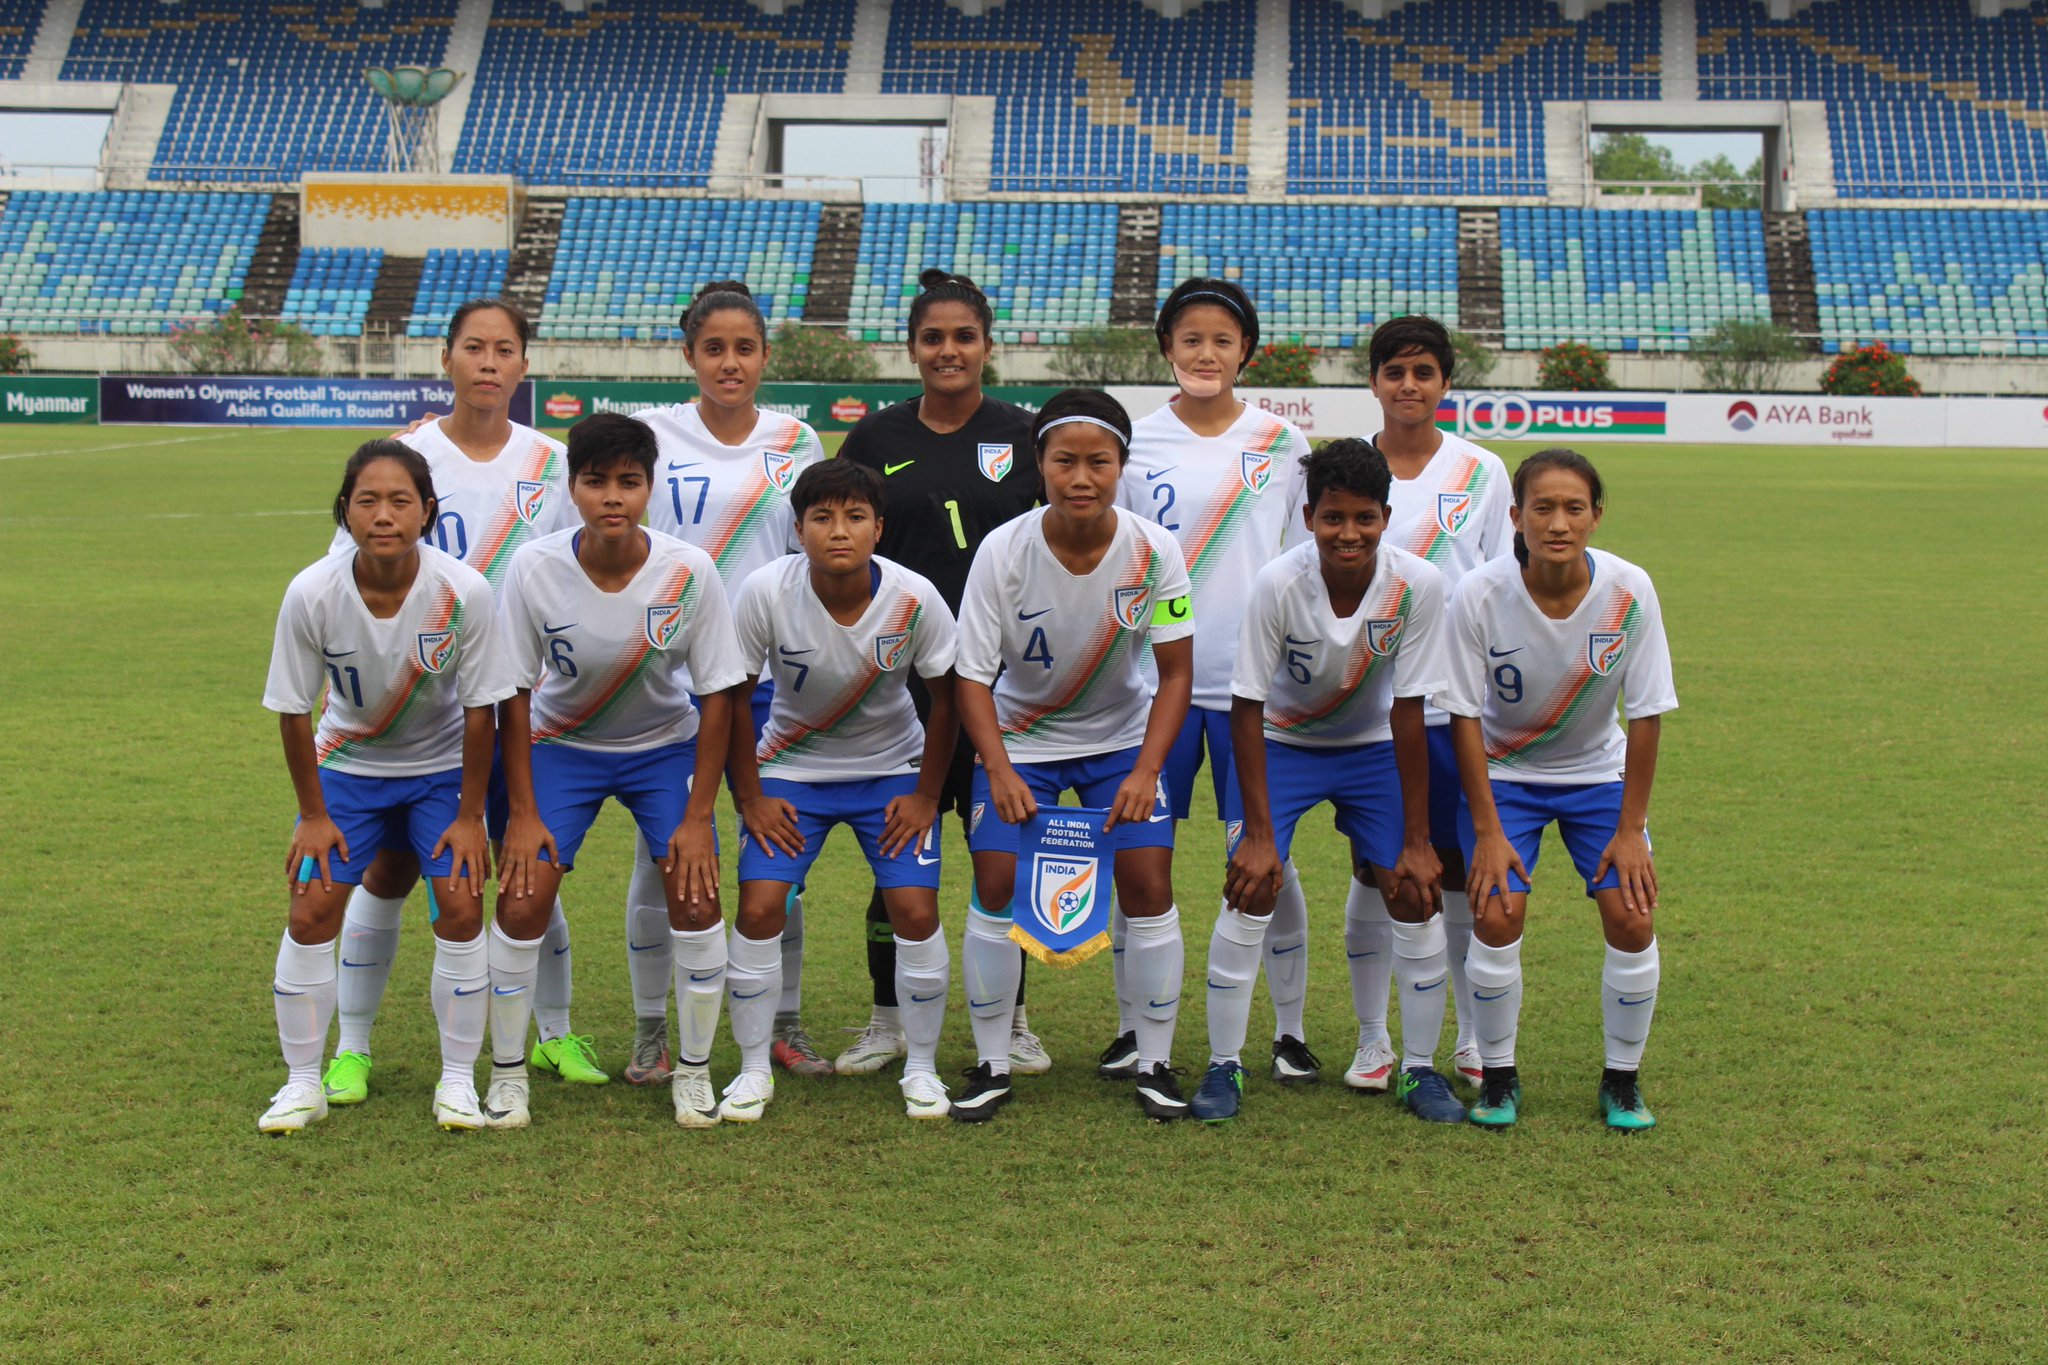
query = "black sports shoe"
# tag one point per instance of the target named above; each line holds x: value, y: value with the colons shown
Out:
x: 986, y: 1092
x: 1159, y: 1095
x: 1294, y: 1064
x: 1119, y: 1061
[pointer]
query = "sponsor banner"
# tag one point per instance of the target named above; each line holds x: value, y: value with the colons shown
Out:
x: 1797, y: 419
x: 274, y: 401
x: 824, y: 407
x: 1060, y: 914
x: 24, y: 399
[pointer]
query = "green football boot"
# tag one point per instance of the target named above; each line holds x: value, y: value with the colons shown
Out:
x: 1500, y: 1097
x: 348, y: 1078
x: 1621, y: 1102
x: 571, y: 1057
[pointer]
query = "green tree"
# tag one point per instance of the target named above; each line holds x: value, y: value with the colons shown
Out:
x: 1746, y: 355
x: 820, y: 355
x: 1099, y: 356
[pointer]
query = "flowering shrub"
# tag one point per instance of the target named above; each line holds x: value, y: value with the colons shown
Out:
x: 1281, y: 365
x: 1572, y: 365
x: 1875, y: 370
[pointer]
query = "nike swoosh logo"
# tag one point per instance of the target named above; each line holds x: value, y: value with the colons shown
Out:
x: 983, y: 1004
x: 1503, y: 653
x: 1624, y: 1000
x: 547, y: 629
x: 346, y: 963
x: 713, y: 976
x: 641, y: 947
x: 1295, y: 949
x: 500, y: 990
x: 1430, y: 987
x: 477, y: 991
x: 336, y: 653
x: 892, y: 468
x: 1152, y: 474
x: 926, y: 999
x: 1023, y: 615
x: 737, y: 996
x: 686, y: 464
x: 1292, y: 641
x: 1488, y: 998
x: 1152, y: 1004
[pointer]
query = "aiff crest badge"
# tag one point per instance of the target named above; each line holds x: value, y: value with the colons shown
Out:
x: 1453, y: 510
x: 780, y: 467
x: 889, y: 649
x: 1062, y: 891
x: 436, y: 647
x: 1604, y: 649
x: 1129, y: 606
x: 1381, y: 636
x: 533, y: 496
x: 1255, y: 468
x: 996, y: 460
x: 663, y: 624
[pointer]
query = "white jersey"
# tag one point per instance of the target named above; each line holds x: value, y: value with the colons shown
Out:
x: 1066, y: 646
x: 733, y: 501
x: 606, y: 668
x: 396, y: 689
x: 1329, y: 680
x: 1453, y: 514
x: 1545, y: 691
x: 1233, y: 502
x: 842, y: 708
x: 487, y: 509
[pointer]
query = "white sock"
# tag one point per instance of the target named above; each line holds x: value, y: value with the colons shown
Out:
x: 701, y: 982
x: 1422, y: 976
x: 551, y: 990
x: 755, y: 981
x: 1157, y: 959
x: 790, y: 1005
x: 1457, y: 919
x: 1287, y: 956
x: 369, y: 945
x: 1494, y: 977
x: 1628, y: 997
x: 650, y: 957
x: 1119, y: 940
x: 989, y: 961
x: 462, y: 1002
x: 924, y: 971
x: 514, y: 963
x: 1369, y: 946
x: 302, y: 989
x: 1233, y: 971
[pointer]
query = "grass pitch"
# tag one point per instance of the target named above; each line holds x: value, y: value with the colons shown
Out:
x: 1846, y: 1062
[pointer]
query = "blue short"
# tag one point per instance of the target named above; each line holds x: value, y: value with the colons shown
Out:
x: 1586, y: 816
x: 569, y: 784
x: 1358, y: 779
x: 1094, y: 779
x: 398, y: 813
x: 1202, y: 729
x: 860, y: 805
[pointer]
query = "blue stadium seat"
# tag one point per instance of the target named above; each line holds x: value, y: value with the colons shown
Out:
x: 1972, y: 282
x: 1047, y: 268
x: 132, y: 262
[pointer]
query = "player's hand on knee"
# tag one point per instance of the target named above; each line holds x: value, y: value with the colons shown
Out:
x: 1628, y: 853
x: 772, y: 822
x: 315, y: 839
x: 470, y: 846
x: 905, y: 821
x: 525, y: 839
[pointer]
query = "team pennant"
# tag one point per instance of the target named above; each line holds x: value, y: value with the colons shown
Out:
x: 1064, y: 865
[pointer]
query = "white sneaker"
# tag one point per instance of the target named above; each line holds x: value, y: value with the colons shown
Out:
x: 292, y: 1108
x: 747, y: 1096
x: 1028, y: 1056
x: 924, y: 1096
x: 696, y: 1102
x: 456, y: 1108
x: 873, y: 1048
x: 505, y: 1104
x: 1467, y: 1069
x: 1372, y: 1068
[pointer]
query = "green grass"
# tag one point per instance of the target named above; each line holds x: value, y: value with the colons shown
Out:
x: 1847, y: 1056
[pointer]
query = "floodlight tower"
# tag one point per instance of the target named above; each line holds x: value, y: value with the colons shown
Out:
x: 412, y: 103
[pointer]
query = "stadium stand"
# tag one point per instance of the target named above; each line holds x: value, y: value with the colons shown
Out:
x: 132, y: 262
x: 1628, y: 279
x: 331, y: 289
x: 265, y: 92
x: 1323, y: 274
x: 1092, y: 95
x: 626, y: 268
x: 633, y: 97
x: 1942, y: 283
x: 1925, y: 100
x: 1427, y: 101
x: 18, y: 22
x: 449, y: 279
x: 1047, y: 268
